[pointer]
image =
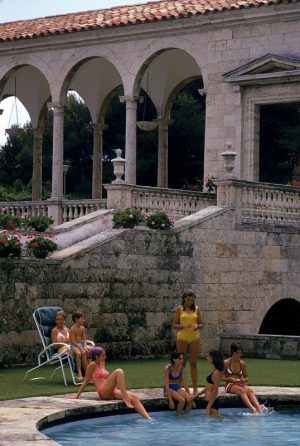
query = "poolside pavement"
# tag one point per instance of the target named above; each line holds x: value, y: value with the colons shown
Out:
x: 21, y: 418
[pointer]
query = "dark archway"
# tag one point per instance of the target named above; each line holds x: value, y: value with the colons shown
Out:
x: 279, y: 151
x: 283, y: 318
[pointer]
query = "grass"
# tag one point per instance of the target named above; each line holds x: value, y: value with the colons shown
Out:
x: 142, y: 374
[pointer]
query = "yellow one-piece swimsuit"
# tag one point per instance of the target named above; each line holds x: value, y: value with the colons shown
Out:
x: 186, y: 318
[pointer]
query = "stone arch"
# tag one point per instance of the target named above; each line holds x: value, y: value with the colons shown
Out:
x: 29, y: 78
x: 162, y: 76
x: 283, y: 318
x: 94, y: 78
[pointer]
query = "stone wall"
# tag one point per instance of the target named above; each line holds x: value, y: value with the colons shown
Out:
x: 129, y: 286
x: 264, y: 346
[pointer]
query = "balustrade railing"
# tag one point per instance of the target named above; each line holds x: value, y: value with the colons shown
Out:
x: 177, y: 203
x: 261, y: 202
x: 25, y: 208
x: 73, y: 209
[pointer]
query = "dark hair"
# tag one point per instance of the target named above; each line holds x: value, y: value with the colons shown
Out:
x: 217, y: 359
x: 60, y: 313
x: 235, y: 347
x: 175, y: 355
x: 76, y: 315
x: 187, y: 294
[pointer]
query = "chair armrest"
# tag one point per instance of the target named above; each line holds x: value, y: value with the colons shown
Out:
x: 91, y: 343
x: 55, y: 344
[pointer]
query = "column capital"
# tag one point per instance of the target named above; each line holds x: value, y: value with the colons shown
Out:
x: 99, y: 127
x: 164, y: 123
x: 129, y: 99
x: 57, y: 106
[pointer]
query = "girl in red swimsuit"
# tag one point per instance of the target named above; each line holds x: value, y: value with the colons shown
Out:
x: 235, y: 378
x: 106, y: 382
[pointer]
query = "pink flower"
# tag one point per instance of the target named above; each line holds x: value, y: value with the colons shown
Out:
x: 20, y: 236
x: 18, y: 244
x: 14, y: 232
x: 29, y: 236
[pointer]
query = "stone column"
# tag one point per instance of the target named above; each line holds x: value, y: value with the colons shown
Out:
x: 130, y: 138
x: 97, y: 159
x: 162, y: 162
x: 58, y: 150
x: 37, y: 165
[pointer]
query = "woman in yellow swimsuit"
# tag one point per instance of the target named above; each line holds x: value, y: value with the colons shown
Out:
x: 187, y: 321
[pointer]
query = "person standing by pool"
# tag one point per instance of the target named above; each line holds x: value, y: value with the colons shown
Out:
x: 106, y: 382
x: 188, y: 322
x: 235, y: 378
x: 211, y: 391
x: 174, y: 380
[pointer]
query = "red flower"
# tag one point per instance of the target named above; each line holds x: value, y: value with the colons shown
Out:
x: 18, y: 244
x: 14, y: 232
x: 36, y: 244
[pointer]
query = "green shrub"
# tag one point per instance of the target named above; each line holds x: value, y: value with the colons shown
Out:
x: 10, y: 246
x: 9, y: 221
x: 159, y: 220
x: 39, y: 222
x: 127, y: 218
x: 41, y: 246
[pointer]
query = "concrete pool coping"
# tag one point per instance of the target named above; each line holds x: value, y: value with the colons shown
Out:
x: 21, y: 418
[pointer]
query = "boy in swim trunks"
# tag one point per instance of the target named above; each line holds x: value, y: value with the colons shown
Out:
x: 78, y: 342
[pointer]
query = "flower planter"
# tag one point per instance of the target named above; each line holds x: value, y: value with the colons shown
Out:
x: 10, y: 225
x: 40, y: 254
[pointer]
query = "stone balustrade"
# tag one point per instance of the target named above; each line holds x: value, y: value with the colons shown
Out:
x: 260, y: 202
x: 25, y: 208
x: 177, y: 203
x: 72, y: 209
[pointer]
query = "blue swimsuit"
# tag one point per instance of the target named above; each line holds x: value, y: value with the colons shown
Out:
x: 173, y: 386
x: 216, y: 403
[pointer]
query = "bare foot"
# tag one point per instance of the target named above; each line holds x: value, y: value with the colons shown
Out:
x: 128, y: 403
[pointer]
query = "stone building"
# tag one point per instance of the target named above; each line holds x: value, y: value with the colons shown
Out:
x: 247, y: 55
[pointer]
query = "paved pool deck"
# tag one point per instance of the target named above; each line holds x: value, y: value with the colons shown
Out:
x: 21, y: 418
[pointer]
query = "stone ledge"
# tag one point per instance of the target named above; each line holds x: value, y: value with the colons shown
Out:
x: 21, y: 418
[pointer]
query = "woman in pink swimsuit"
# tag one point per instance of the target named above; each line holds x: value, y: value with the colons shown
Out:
x: 106, y: 382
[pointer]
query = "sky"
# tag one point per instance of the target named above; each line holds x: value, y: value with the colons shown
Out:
x: 12, y: 10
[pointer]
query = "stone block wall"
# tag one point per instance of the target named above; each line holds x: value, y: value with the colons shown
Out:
x: 128, y: 287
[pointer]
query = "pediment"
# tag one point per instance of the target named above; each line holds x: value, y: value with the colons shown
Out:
x: 269, y: 67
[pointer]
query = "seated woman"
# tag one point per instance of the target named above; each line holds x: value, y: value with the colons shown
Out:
x: 235, y: 378
x: 211, y: 390
x: 174, y: 379
x: 60, y: 333
x: 106, y: 382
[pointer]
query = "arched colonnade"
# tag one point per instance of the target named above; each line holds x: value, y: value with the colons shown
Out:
x: 96, y: 76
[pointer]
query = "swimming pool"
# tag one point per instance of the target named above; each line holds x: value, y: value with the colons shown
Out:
x: 237, y: 427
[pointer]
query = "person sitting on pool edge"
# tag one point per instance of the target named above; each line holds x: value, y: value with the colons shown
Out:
x: 235, y: 377
x: 106, y: 382
x: 211, y: 390
x: 174, y: 380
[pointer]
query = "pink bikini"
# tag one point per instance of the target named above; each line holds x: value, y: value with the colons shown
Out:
x: 104, y: 374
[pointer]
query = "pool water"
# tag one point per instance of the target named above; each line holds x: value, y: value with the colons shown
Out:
x: 237, y: 427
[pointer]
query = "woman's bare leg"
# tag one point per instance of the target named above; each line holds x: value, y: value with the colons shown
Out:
x: 244, y: 397
x: 253, y: 399
x: 194, y: 355
x: 137, y: 404
x: 182, y: 347
x: 117, y: 378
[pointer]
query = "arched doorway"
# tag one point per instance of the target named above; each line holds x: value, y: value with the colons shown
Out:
x: 283, y: 318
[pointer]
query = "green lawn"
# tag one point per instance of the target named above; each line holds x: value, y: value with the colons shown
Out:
x: 142, y: 374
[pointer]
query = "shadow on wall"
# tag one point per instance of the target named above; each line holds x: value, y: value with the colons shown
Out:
x: 283, y: 318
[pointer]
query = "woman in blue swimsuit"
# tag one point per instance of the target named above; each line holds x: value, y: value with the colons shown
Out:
x: 213, y: 380
x: 174, y: 380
